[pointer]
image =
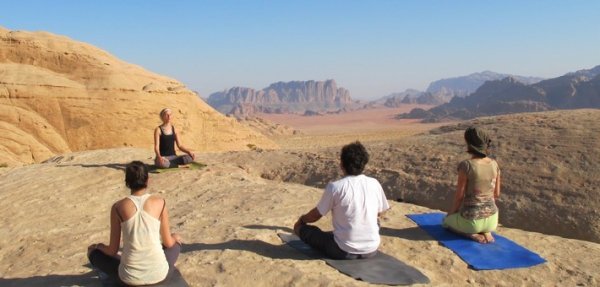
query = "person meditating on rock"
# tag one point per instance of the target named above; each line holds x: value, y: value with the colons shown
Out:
x: 149, y: 249
x: 474, y: 213
x: 355, y: 201
x: 165, y: 138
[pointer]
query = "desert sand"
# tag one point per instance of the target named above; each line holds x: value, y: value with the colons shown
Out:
x: 228, y: 219
x: 329, y: 130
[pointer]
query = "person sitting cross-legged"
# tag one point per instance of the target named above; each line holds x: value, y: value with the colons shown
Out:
x: 149, y: 249
x: 355, y: 201
x: 165, y: 140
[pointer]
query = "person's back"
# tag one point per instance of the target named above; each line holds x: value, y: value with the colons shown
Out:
x: 474, y: 213
x: 143, y: 260
x: 479, y: 194
x: 149, y: 250
x: 356, y: 203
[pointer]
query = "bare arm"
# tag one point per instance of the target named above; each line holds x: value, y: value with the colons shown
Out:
x: 168, y: 239
x: 460, y: 192
x: 380, y: 215
x: 156, y: 142
x: 115, y: 235
x: 312, y: 216
x: 181, y: 147
x: 497, y: 188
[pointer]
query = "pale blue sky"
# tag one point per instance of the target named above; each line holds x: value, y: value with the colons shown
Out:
x: 373, y: 48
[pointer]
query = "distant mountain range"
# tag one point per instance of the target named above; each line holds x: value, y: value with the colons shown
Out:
x: 310, y: 97
x: 574, y: 90
x: 464, y: 97
x: 465, y: 85
x: 442, y: 91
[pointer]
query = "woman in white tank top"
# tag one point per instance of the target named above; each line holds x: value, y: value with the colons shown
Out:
x: 149, y: 249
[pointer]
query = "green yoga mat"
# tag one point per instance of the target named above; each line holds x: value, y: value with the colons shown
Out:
x: 380, y: 269
x: 192, y: 166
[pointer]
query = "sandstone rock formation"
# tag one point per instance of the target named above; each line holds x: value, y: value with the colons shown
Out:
x: 571, y: 91
x: 282, y: 97
x: 58, y: 95
x: 442, y: 91
x: 463, y: 86
x: 409, y: 96
x: 396, y: 99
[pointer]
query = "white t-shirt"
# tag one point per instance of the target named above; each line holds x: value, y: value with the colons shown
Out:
x: 355, y: 202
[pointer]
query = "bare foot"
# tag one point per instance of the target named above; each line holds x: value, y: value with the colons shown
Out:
x: 488, y: 237
x: 477, y: 237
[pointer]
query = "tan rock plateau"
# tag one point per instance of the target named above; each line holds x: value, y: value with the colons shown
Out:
x: 229, y: 219
x: 58, y: 95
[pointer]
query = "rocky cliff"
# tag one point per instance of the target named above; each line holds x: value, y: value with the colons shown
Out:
x: 58, y: 95
x: 463, y: 86
x: 571, y: 91
x: 282, y: 97
x: 442, y: 91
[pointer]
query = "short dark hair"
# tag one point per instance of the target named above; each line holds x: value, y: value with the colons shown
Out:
x: 475, y: 153
x: 478, y: 142
x: 136, y: 175
x: 354, y: 158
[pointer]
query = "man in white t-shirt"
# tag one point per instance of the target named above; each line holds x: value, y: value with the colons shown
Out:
x: 355, y: 201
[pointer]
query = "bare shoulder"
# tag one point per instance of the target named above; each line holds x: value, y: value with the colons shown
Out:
x: 156, y: 200
x: 155, y: 205
x: 155, y: 197
x: 123, y: 203
x: 124, y: 207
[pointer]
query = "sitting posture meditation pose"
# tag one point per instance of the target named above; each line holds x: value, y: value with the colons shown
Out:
x: 144, y: 221
x: 165, y: 138
x: 474, y: 213
x: 355, y: 201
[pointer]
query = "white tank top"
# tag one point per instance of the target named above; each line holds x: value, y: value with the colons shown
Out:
x: 143, y: 260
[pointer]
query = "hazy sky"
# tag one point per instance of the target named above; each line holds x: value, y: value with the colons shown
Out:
x: 373, y: 48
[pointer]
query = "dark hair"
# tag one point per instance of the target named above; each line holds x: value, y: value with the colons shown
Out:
x: 475, y: 153
x: 136, y: 175
x: 478, y: 142
x: 354, y: 158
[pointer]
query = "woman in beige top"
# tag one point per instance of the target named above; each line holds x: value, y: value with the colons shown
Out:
x: 143, y: 220
x: 474, y: 213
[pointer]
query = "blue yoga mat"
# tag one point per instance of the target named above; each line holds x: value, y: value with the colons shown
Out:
x: 501, y: 254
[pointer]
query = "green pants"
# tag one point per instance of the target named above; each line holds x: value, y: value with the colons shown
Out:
x: 458, y: 223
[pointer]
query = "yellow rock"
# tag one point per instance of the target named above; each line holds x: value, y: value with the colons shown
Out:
x: 58, y: 95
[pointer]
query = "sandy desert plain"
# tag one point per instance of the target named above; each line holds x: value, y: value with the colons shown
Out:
x: 331, y: 130
x: 63, y: 159
x: 230, y: 212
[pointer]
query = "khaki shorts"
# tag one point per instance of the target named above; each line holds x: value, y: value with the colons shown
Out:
x: 456, y: 222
